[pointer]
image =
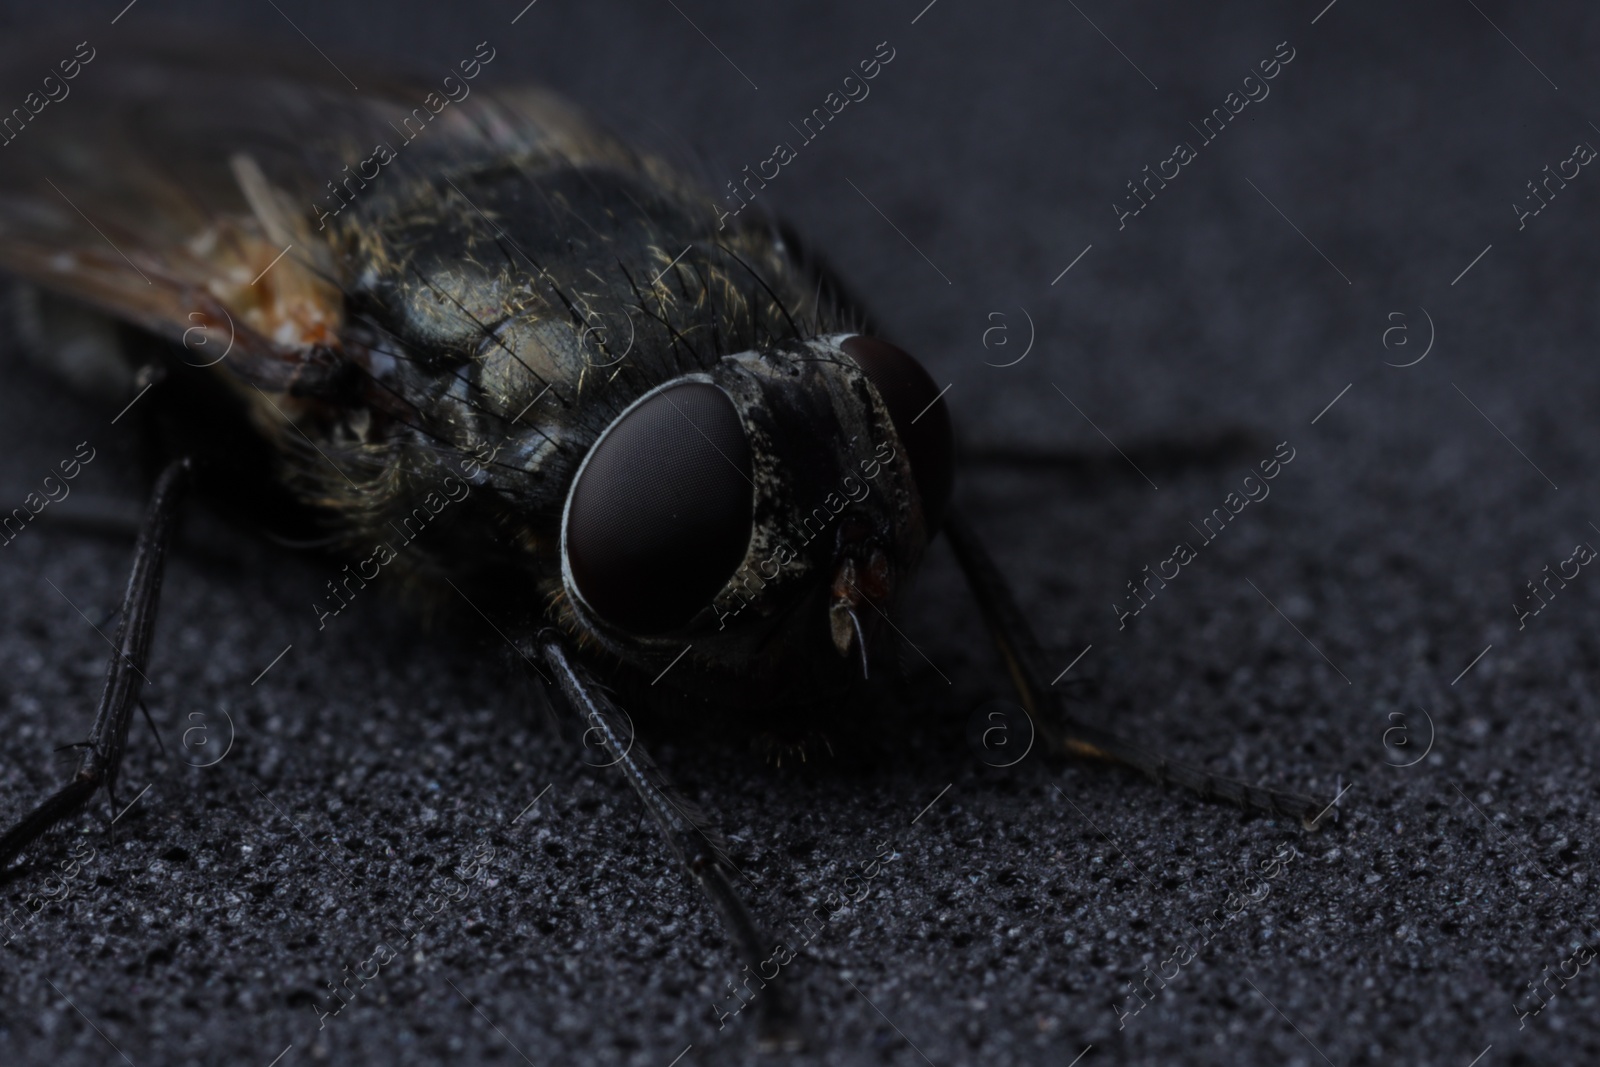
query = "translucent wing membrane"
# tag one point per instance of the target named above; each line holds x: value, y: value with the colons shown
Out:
x: 179, y: 188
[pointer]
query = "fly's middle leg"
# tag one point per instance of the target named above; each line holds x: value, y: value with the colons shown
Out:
x: 108, y: 738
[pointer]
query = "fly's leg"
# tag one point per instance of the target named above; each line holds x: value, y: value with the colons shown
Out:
x: 689, y: 832
x: 1021, y: 652
x: 102, y: 752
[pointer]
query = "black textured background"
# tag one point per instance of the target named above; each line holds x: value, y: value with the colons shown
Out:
x: 376, y: 757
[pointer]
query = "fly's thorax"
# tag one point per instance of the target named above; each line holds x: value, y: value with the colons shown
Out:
x: 812, y: 497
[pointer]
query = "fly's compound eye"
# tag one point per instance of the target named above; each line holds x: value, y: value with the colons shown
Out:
x: 920, y: 417
x: 661, y: 512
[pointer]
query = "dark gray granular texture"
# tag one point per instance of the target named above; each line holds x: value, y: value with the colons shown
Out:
x: 379, y: 762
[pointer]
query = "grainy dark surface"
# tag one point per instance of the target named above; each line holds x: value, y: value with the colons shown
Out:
x: 376, y: 756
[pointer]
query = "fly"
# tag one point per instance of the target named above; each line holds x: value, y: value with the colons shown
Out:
x: 475, y: 340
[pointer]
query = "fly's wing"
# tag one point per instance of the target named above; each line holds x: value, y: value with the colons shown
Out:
x: 180, y: 190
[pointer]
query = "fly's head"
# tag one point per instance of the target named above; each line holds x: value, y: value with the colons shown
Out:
x: 765, y: 512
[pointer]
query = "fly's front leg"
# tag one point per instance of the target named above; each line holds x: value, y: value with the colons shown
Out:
x: 1020, y: 648
x: 688, y: 831
x: 102, y: 752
